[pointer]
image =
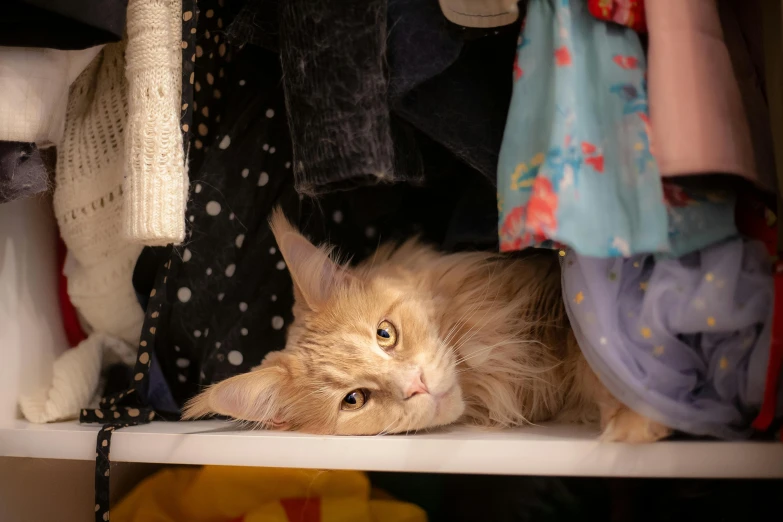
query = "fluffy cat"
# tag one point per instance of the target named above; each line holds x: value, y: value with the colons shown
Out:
x: 414, y: 339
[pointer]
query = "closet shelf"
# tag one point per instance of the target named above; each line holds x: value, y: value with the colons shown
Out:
x: 542, y: 450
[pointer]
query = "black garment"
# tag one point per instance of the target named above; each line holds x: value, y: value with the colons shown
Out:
x: 61, y: 24
x: 23, y: 171
x: 353, y: 119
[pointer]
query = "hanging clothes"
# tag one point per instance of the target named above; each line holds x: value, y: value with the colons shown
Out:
x: 684, y: 341
x: 439, y: 76
x: 629, y: 13
x: 577, y: 165
x: 691, y: 74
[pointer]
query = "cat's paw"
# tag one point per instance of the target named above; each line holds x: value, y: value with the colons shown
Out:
x: 628, y: 426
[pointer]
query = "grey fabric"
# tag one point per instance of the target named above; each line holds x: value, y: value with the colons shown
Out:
x: 23, y: 172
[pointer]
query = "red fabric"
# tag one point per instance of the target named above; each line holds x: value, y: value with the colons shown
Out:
x: 629, y: 13
x: 755, y: 220
x: 302, y: 509
x: 73, y: 330
x: 775, y: 364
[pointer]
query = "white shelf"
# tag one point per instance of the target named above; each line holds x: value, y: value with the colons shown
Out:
x: 542, y: 450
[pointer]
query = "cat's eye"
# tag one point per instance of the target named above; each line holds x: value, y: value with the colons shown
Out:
x: 386, y: 335
x: 354, y: 400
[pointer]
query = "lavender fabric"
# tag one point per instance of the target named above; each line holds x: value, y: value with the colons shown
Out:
x: 682, y: 341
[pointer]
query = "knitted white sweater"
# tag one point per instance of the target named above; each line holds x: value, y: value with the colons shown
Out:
x: 121, y: 181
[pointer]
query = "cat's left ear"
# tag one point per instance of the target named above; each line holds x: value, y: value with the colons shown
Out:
x: 315, y: 274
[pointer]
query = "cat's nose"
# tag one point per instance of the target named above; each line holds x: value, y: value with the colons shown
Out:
x: 415, y: 387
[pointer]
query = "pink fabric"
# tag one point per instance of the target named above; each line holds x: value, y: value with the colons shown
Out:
x: 699, y: 123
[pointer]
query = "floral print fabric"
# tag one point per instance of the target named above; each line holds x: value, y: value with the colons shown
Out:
x: 576, y: 166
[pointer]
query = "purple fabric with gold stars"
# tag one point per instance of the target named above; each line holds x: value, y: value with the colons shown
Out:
x: 682, y: 341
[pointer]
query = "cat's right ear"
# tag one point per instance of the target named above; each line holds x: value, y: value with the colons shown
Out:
x: 314, y: 272
x: 259, y: 395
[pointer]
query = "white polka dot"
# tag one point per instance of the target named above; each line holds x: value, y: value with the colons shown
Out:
x: 181, y: 378
x: 273, y: 297
x: 186, y: 255
x: 184, y: 294
x: 218, y: 344
x: 235, y: 357
x: 239, y: 240
x: 270, y: 113
x: 225, y: 142
x: 272, y: 150
x: 206, y: 332
x: 265, y: 146
x: 277, y: 322
x: 280, y: 265
x: 242, y: 83
x: 221, y: 295
x: 198, y: 188
x: 196, y: 333
x: 213, y: 208
x: 231, y: 217
x: 192, y: 219
x: 288, y: 164
x: 202, y: 376
x: 209, y: 271
x: 370, y: 231
x: 243, y: 331
x: 177, y: 348
x: 243, y: 307
x: 245, y: 172
x: 230, y: 269
x: 263, y: 179
x: 272, y: 250
x: 182, y: 363
x: 337, y: 216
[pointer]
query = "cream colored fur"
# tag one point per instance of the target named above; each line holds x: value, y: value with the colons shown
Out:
x: 486, y: 334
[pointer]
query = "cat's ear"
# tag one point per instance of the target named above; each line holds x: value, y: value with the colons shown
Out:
x: 314, y: 272
x: 259, y: 395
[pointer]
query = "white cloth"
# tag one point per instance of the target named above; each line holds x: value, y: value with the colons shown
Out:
x: 156, y: 180
x: 88, y: 199
x: 34, y: 85
x: 76, y: 377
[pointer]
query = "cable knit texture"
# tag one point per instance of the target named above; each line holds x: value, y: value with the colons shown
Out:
x: 88, y: 199
x: 155, y: 174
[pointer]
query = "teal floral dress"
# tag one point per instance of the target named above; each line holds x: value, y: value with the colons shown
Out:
x: 576, y: 166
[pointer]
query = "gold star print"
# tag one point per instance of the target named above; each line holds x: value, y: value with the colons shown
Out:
x: 710, y: 321
x: 658, y: 350
x: 562, y: 253
x: 636, y: 264
x: 646, y: 332
x: 612, y: 276
x: 724, y: 363
x: 578, y: 298
x: 643, y: 286
x: 709, y: 277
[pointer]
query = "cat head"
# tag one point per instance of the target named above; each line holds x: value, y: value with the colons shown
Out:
x: 363, y: 355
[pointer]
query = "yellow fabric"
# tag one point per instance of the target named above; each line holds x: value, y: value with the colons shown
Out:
x: 226, y: 493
